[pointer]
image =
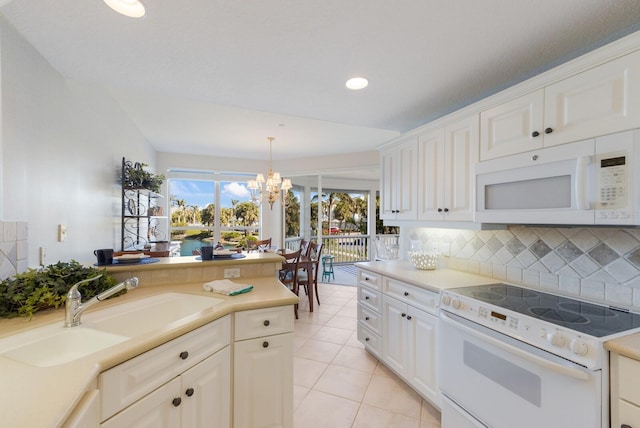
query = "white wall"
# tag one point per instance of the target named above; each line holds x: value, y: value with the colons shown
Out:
x: 62, y: 143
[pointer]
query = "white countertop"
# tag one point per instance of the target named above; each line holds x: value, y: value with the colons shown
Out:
x: 46, y: 396
x: 434, y: 280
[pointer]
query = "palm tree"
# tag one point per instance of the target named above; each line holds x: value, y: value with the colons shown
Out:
x: 344, y: 208
x: 327, y: 206
x: 248, y: 212
x: 180, y: 210
x: 292, y: 215
x: 208, y: 215
x: 234, y: 204
x: 360, y: 210
x: 194, y: 210
x: 227, y: 217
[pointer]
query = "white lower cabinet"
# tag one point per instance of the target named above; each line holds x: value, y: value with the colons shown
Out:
x: 185, y: 382
x: 397, y: 323
x: 409, y: 339
x: 156, y: 409
x: 394, y: 334
x: 197, y: 398
x: 206, y: 401
x: 370, y: 311
x: 421, y: 366
x: 625, y: 392
x: 263, y: 368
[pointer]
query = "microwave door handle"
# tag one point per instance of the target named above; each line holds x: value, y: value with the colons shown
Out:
x: 581, y: 183
x: 568, y: 371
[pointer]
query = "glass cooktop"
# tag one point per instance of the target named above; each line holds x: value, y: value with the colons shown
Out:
x: 587, y: 318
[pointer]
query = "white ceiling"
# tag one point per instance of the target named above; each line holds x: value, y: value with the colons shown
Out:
x: 219, y: 76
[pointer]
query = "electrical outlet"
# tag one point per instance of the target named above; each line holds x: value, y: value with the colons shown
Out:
x: 62, y: 232
x: 232, y: 273
x: 43, y: 256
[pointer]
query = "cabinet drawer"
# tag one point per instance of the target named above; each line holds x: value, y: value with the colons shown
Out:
x: 263, y: 322
x: 370, y: 340
x: 415, y: 296
x: 129, y: 381
x: 371, y: 319
x: 628, y: 414
x: 629, y: 373
x: 370, y: 298
x: 369, y: 279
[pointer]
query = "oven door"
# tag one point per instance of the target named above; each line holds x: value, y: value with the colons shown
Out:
x: 505, y: 383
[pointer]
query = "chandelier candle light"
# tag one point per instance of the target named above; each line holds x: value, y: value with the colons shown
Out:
x: 274, y: 189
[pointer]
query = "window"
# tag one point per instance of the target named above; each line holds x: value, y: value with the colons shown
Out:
x: 207, y: 208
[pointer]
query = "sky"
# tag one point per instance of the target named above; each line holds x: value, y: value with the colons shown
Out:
x: 201, y: 193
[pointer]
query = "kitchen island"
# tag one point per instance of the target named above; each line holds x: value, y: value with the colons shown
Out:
x: 48, y: 396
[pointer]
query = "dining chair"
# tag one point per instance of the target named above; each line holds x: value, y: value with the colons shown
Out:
x: 259, y: 245
x: 308, y: 278
x: 304, y: 247
x: 288, y: 274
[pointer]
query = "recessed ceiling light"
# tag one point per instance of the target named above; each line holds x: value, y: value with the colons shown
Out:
x: 130, y: 8
x: 356, y: 83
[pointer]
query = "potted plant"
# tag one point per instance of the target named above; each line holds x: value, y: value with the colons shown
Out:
x: 136, y: 177
x: 35, y: 290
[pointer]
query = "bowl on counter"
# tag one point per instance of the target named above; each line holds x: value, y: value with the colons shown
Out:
x: 424, y: 260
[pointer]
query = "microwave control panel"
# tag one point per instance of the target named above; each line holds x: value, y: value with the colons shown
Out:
x: 613, y: 181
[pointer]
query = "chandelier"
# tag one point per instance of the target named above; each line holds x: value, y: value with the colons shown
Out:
x: 272, y: 190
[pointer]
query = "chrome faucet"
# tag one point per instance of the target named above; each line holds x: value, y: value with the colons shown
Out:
x: 74, y: 306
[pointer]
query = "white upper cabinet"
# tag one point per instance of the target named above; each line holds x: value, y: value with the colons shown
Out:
x: 447, y: 158
x: 598, y: 101
x: 398, y: 181
x: 512, y: 127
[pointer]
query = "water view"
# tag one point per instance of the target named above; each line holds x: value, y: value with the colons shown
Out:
x: 188, y: 245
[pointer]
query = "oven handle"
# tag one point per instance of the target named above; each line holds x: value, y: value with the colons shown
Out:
x: 575, y: 373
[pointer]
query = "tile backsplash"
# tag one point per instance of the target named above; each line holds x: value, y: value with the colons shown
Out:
x: 601, y: 264
x: 14, y: 250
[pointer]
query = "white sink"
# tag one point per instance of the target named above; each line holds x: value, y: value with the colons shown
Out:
x: 54, y: 344
x: 139, y: 317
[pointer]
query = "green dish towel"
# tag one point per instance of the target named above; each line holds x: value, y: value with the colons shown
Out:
x: 226, y: 287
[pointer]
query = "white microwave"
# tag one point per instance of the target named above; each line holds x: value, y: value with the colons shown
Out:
x: 594, y: 181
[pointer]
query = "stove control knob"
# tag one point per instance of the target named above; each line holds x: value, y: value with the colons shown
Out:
x: 579, y: 347
x: 446, y: 300
x: 556, y: 339
x: 457, y: 304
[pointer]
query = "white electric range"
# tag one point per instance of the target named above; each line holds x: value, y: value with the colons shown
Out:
x: 513, y: 356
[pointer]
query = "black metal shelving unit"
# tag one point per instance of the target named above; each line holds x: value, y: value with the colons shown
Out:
x: 141, y: 215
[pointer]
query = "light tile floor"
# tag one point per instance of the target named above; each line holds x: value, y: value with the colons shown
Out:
x: 337, y: 384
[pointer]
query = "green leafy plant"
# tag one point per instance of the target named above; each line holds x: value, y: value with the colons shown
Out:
x: 136, y: 177
x: 39, y: 289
